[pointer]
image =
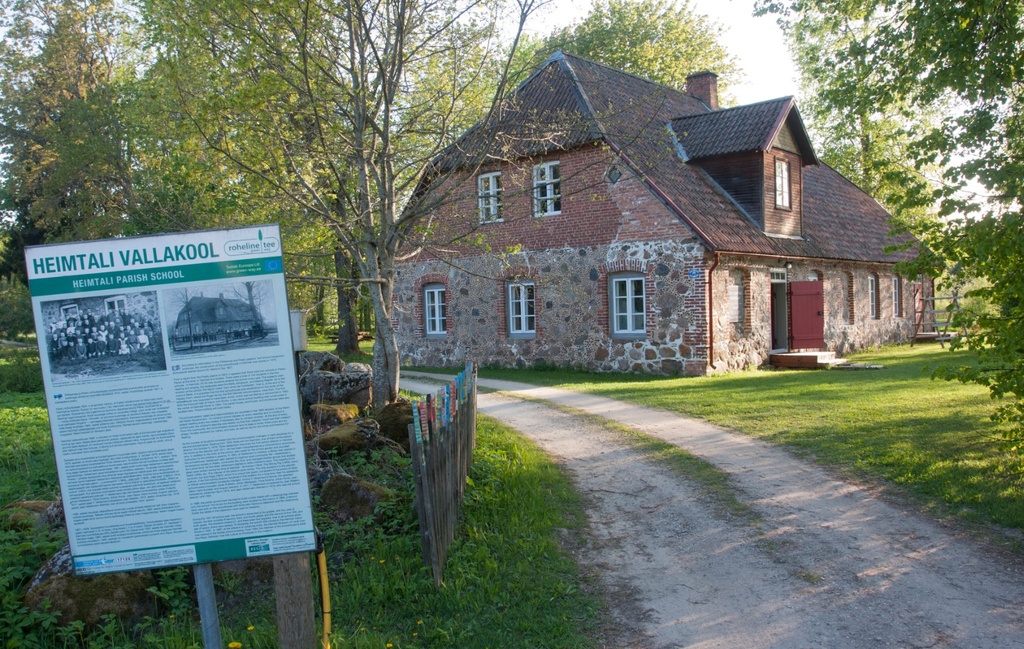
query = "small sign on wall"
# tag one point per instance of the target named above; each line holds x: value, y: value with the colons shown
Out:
x: 170, y: 384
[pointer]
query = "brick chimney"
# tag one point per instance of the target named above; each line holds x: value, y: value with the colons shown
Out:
x: 704, y: 86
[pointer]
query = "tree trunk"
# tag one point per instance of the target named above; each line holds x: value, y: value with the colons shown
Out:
x: 385, y: 347
x: 348, y: 328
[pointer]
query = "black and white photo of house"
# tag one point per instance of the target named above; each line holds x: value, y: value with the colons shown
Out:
x: 214, y: 317
x: 105, y: 335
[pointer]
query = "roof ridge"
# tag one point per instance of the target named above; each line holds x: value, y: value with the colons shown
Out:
x: 732, y: 109
x: 584, y: 98
x: 615, y: 70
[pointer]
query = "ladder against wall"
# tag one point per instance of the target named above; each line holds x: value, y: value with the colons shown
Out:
x: 934, y: 318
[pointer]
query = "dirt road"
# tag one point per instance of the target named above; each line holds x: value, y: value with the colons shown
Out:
x: 827, y: 565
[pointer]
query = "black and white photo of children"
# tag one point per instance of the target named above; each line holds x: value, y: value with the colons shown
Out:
x: 106, y: 335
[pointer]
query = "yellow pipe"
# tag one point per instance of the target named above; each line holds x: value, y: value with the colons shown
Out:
x: 325, y: 596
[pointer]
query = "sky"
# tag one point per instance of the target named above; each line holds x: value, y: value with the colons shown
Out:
x: 758, y: 44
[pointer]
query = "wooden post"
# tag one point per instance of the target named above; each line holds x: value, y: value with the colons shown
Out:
x: 293, y: 587
x: 207, y: 597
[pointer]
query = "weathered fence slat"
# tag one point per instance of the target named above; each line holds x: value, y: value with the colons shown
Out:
x: 442, y: 437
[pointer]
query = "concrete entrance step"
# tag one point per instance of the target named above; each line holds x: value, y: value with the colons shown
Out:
x: 806, y: 360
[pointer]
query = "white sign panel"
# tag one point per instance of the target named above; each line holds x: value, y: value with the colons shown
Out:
x: 170, y: 383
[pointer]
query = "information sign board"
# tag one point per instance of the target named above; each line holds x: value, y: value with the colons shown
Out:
x: 170, y: 384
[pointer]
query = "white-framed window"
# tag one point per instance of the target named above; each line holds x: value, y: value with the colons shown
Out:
x: 782, y: 197
x: 547, y: 189
x: 489, y: 197
x: 435, y: 310
x: 628, y: 305
x: 849, y: 312
x: 116, y: 304
x: 897, y: 296
x: 522, y: 309
x: 873, y: 296
x: 738, y: 299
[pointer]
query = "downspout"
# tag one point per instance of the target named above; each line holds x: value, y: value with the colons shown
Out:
x: 711, y: 313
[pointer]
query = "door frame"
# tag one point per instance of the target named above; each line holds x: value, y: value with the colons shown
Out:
x: 779, y: 310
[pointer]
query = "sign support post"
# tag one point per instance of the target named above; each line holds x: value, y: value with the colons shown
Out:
x: 293, y: 588
x: 293, y: 585
x: 207, y: 597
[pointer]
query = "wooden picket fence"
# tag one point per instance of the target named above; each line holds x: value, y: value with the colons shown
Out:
x: 442, y: 437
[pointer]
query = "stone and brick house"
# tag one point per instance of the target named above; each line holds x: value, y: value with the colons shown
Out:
x: 602, y: 221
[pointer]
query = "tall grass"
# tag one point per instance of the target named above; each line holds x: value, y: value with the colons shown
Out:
x: 507, y: 582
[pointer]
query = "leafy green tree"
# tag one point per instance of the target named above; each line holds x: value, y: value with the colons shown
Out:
x: 966, y: 59
x: 93, y: 145
x: 662, y: 40
x: 15, y: 308
x: 870, y: 147
x: 339, y: 107
x: 65, y: 160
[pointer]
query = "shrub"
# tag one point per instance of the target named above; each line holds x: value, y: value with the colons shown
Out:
x: 15, y: 309
x: 19, y: 370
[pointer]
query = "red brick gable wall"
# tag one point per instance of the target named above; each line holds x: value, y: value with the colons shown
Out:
x: 594, y: 211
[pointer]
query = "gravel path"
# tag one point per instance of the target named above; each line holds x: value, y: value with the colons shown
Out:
x: 828, y: 565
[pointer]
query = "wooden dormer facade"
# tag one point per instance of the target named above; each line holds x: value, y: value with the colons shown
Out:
x: 756, y: 154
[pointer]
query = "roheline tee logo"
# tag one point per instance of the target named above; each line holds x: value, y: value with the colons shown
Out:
x: 259, y: 246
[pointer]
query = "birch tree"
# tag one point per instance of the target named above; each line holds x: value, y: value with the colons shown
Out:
x: 341, y: 106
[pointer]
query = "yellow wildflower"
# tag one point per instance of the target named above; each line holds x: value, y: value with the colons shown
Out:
x: 234, y: 645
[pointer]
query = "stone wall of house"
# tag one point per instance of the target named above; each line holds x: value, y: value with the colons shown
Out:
x: 572, y: 295
x: 748, y: 343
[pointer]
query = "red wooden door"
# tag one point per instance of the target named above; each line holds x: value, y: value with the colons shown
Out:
x: 807, y: 315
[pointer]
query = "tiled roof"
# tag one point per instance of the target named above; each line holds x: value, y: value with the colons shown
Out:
x: 571, y: 101
x: 736, y: 130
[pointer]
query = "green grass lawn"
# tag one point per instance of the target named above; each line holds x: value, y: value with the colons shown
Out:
x: 895, y: 425
x: 508, y: 583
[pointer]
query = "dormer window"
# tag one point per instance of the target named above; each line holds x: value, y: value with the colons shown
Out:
x: 547, y: 189
x: 489, y: 197
x: 782, y: 192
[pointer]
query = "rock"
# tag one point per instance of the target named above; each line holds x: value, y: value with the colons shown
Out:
x: 53, y: 517
x: 318, y: 386
x: 122, y: 594
x: 320, y: 362
x: 394, y: 420
x: 359, y: 367
x: 672, y: 367
x: 362, y: 398
x: 345, y: 498
x: 332, y: 414
x: 356, y: 435
x: 26, y: 514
